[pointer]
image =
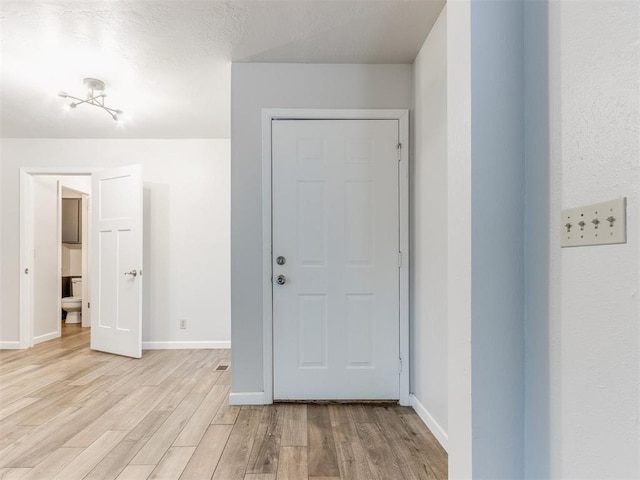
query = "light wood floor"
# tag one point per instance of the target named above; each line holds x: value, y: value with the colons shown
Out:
x: 69, y: 413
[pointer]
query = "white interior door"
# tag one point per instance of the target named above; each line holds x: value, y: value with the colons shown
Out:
x: 336, y: 224
x: 116, y: 299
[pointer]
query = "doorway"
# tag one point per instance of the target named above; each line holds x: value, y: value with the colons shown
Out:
x: 116, y: 257
x: 349, y: 343
x: 74, y: 244
x: 40, y: 282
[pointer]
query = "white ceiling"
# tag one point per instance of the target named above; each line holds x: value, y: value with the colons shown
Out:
x: 167, y: 63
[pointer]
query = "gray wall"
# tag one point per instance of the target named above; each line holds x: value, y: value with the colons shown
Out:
x: 497, y: 199
x: 537, y: 191
x: 254, y: 87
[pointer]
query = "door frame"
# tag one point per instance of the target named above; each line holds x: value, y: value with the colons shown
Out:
x: 270, y: 114
x: 27, y: 233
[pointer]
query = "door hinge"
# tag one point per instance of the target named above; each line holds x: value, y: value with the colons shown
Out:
x: 399, y: 151
x: 400, y: 365
x: 399, y: 259
x: 88, y: 304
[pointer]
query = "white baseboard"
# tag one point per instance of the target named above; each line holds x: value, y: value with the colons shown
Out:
x: 247, y: 398
x: 430, y: 422
x: 145, y: 345
x: 46, y: 337
x: 188, y: 345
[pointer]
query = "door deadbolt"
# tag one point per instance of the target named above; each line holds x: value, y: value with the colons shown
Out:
x: 281, y: 280
x: 281, y: 260
x: 133, y: 273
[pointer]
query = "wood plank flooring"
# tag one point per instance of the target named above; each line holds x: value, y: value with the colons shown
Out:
x: 69, y: 413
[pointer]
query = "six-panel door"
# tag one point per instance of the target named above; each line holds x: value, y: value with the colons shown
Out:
x: 336, y: 225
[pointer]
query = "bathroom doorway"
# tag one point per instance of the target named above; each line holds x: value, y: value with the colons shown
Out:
x: 74, y: 237
x: 116, y: 249
x: 41, y: 250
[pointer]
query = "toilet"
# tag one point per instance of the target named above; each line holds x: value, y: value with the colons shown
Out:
x: 73, y: 305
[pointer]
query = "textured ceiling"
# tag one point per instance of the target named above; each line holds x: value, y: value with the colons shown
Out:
x: 166, y: 63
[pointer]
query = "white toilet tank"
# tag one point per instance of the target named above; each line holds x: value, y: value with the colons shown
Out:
x: 76, y: 287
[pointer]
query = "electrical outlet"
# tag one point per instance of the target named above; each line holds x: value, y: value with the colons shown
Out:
x: 596, y: 224
x: 183, y: 323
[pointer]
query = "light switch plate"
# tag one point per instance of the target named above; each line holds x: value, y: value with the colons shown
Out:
x: 596, y: 224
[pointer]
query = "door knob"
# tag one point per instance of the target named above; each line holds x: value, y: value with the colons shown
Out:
x: 133, y: 273
x: 281, y: 280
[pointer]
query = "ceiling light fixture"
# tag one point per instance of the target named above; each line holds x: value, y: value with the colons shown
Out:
x: 95, y: 97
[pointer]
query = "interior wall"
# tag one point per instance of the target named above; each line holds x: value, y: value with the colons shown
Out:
x: 45, y: 266
x: 596, y: 49
x: 254, y: 87
x: 540, y: 244
x: 429, y: 235
x: 72, y: 260
x: 186, y: 229
x: 497, y: 204
x: 460, y: 432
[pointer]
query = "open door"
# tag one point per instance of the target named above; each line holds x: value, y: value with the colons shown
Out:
x: 116, y: 320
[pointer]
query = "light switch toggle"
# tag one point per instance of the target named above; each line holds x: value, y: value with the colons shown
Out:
x: 596, y: 222
x: 568, y: 226
x: 611, y: 219
x: 582, y: 224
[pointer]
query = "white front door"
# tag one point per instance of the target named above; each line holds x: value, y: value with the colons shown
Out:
x: 336, y: 226
x: 116, y: 299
